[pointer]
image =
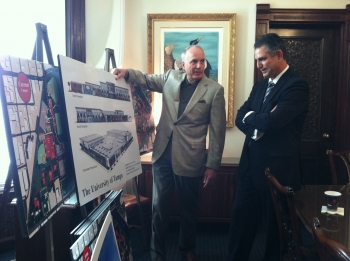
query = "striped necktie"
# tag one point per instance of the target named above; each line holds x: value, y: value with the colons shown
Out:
x: 269, y: 88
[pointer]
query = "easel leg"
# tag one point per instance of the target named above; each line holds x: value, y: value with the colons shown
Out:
x: 4, y: 200
x: 145, y: 232
x: 49, y: 241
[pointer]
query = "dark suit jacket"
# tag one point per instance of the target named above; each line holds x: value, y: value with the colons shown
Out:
x: 189, y: 131
x: 279, y: 147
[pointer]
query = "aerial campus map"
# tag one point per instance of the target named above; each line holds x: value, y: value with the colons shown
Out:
x: 33, y: 107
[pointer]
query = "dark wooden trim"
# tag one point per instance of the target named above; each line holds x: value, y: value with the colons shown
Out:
x: 75, y: 30
x: 343, y: 104
x: 266, y: 16
x: 262, y: 27
x: 7, y: 239
x: 215, y: 202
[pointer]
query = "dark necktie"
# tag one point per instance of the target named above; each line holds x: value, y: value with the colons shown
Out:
x: 269, y: 88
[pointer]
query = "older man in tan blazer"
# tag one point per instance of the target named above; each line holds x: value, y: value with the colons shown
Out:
x: 191, y: 103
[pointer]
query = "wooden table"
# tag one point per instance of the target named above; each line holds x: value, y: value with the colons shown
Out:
x: 309, y: 201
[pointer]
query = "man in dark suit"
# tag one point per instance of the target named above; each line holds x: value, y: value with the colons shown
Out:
x: 191, y: 103
x: 272, y: 120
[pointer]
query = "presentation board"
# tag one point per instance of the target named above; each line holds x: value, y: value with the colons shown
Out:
x: 71, y: 130
x: 102, y: 128
x: 87, y: 235
x: 106, y: 247
x: 35, y: 123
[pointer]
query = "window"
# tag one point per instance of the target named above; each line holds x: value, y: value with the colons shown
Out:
x: 18, y: 34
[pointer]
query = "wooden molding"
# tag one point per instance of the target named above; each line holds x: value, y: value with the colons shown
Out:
x: 75, y: 30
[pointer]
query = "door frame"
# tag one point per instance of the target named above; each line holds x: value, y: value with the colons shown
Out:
x: 266, y: 16
x: 75, y: 30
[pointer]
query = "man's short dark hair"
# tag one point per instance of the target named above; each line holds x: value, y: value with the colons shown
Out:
x: 273, y: 43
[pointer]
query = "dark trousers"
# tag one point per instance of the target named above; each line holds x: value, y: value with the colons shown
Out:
x: 164, y: 181
x: 250, y: 205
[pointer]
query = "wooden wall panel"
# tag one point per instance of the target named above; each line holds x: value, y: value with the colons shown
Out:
x: 215, y: 202
x: 75, y: 30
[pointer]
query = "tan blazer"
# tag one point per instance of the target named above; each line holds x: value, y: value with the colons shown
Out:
x: 189, y: 131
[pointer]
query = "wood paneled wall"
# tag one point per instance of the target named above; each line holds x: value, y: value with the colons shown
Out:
x: 215, y: 202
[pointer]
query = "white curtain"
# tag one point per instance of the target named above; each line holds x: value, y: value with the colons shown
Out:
x: 18, y: 34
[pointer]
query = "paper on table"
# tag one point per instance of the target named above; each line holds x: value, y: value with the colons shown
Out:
x: 339, y: 211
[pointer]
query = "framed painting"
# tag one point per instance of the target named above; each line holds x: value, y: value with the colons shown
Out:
x: 169, y: 34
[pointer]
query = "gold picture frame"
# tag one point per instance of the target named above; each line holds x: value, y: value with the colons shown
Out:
x: 207, y: 27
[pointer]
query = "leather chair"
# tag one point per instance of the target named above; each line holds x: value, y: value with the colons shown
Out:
x: 292, y: 247
x: 328, y: 249
x: 138, y: 211
x: 336, y: 160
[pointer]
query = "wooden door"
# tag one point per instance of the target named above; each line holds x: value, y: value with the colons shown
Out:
x: 312, y: 52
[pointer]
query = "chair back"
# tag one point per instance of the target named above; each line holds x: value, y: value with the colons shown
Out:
x: 328, y: 249
x: 344, y: 158
x: 288, y: 224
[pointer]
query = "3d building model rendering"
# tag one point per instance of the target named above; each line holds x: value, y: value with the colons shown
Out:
x: 107, y: 149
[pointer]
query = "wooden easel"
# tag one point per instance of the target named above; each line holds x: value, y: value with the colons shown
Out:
x: 42, y: 36
x: 41, y: 31
x: 4, y: 199
x: 111, y: 58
